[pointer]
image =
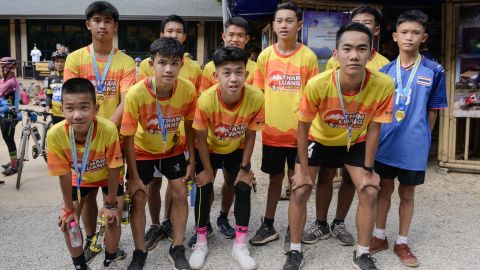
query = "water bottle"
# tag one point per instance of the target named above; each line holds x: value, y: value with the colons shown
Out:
x: 97, y: 240
x: 126, y: 209
x: 75, y: 234
x: 36, y: 133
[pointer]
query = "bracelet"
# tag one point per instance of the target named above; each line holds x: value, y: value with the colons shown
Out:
x: 112, y: 206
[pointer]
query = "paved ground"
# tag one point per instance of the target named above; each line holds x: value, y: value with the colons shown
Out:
x: 444, y: 234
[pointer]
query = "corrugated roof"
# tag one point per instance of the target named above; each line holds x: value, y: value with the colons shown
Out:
x: 209, y: 10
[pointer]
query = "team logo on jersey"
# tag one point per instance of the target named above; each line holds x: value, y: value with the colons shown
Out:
x: 334, y: 119
x: 229, y: 132
x: 93, y: 165
x: 427, y: 81
x: 279, y: 81
x: 109, y: 86
x: 171, y: 124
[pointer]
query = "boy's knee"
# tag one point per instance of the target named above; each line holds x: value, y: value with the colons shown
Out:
x: 301, y: 194
x: 406, y: 193
x: 368, y: 195
x: 139, y: 199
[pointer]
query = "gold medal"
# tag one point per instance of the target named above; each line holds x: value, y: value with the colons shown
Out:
x: 100, y: 99
x: 399, y: 115
x: 79, y: 196
x: 349, y: 141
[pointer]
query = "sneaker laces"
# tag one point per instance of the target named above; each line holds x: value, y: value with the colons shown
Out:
x: 178, y: 251
x: 315, y: 229
x: 370, y: 260
x: 293, y: 256
x: 339, y: 228
x: 404, y: 248
x: 151, y: 232
x: 243, y: 248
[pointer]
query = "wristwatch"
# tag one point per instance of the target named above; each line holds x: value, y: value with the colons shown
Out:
x: 246, y: 167
x: 111, y: 206
x: 370, y: 169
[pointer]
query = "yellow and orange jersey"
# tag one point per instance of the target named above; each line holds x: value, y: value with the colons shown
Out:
x: 140, y: 118
x: 227, y: 126
x: 283, y: 78
x: 120, y: 76
x: 376, y: 63
x: 104, y: 153
x: 208, y: 80
x: 321, y: 104
x: 190, y: 70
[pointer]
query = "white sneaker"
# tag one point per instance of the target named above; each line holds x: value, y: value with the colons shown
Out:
x: 197, y: 259
x: 242, y: 255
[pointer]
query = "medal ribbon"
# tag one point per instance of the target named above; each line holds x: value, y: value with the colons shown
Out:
x: 403, y: 91
x: 161, y: 121
x: 99, y: 79
x: 340, y: 97
x: 86, y: 150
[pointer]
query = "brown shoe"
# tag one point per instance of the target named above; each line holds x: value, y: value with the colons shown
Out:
x: 377, y: 245
x: 406, y: 256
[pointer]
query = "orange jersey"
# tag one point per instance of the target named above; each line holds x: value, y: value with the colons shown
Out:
x: 321, y: 104
x: 376, y: 63
x: 140, y: 119
x: 282, y: 78
x: 207, y: 79
x: 120, y: 76
x: 190, y: 70
x: 227, y: 126
x: 104, y: 153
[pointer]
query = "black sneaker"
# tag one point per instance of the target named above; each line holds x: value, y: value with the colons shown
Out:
x: 120, y: 255
x: 153, y: 235
x: 193, y: 239
x: 2, y: 182
x: 339, y: 231
x: 224, y: 226
x: 6, y: 165
x: 286, y: 243
x: 10, y: 170
x: 176, y: 255
x: 138, y: 260
x: 264, y: 235
x: 167, y: 230
x: 88, y: 253
x: 315, y: 233
x: 294, y: 260
x: 364, y: 262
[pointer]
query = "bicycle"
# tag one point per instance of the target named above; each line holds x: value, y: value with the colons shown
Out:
x: 39, y: 146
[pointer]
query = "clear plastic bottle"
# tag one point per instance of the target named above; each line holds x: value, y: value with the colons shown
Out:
x: 97, y: 240
x: 75, y: 234
x: 127, y: 202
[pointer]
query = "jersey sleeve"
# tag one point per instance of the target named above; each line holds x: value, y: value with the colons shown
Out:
x: 331, y: 63
x: 200, y: 121
x: 144, y: 70
x: 206, y: 79
x: 384, y: 111
x: 71, y: 68
x: 258, y: 121
x: 308, y: 104
x: 438, y: 96
x: 58, y: 163
x: 312, y: 67
x: 130, y: 115
x: 113, y: 153
x: 129, y: 75
x: 259, y: 73
x: 191, y: 108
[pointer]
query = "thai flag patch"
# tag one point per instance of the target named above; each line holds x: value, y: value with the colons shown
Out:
x: 424, y: 80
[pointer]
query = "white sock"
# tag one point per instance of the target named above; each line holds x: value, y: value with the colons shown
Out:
x: 379, y: 233
x: 296, y: 246
x: 402, y: 240
x: 362, y: 250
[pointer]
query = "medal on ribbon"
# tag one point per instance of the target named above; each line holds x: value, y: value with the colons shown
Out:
x: 404, y: 92
x: 100, y: 96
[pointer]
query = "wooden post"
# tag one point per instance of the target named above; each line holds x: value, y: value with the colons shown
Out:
x: 467, y: 139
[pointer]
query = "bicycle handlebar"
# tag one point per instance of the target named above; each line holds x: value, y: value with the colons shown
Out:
x: 29, y: 111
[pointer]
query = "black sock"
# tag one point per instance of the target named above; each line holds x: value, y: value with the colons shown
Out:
x: 321, y: 222
x: 88, y: 240
x: 268, y: 221
x: 109, y: 257
x: 338, y: 221
x: 223, y: 215
x: 79, y: 262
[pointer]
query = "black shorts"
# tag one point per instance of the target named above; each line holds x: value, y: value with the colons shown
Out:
x: 85, y: 190
x: 273, y: 158
x: 230, y: 162
x: 335, y: 156
x: 172, y: 168
x: 406, y: 177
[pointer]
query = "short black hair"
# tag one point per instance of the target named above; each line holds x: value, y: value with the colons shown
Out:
x: 229, y: 54
x: 377, y: 15
x: 79, y: 86
x: 417, y: 16
x: 238, y: 21
x: 174, y: 18
x: 290, y: 6
x: 166, y: 47
x: 103, y: 8
x: 354, y: 26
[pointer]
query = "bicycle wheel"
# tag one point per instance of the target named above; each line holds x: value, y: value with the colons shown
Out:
x: 21, y: 159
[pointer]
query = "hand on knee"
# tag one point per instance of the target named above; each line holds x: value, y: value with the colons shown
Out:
x: 242, y: 189
x: 368, y: 196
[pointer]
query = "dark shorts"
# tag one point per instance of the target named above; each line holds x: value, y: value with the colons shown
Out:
x: 273, y: 158
x: 172, y: 168
x: 406, y: 177
x: 230, y: 162
x: 85, y: 190
x: 335, y: 156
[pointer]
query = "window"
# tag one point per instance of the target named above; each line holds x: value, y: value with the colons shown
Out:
x: 4, y: 38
